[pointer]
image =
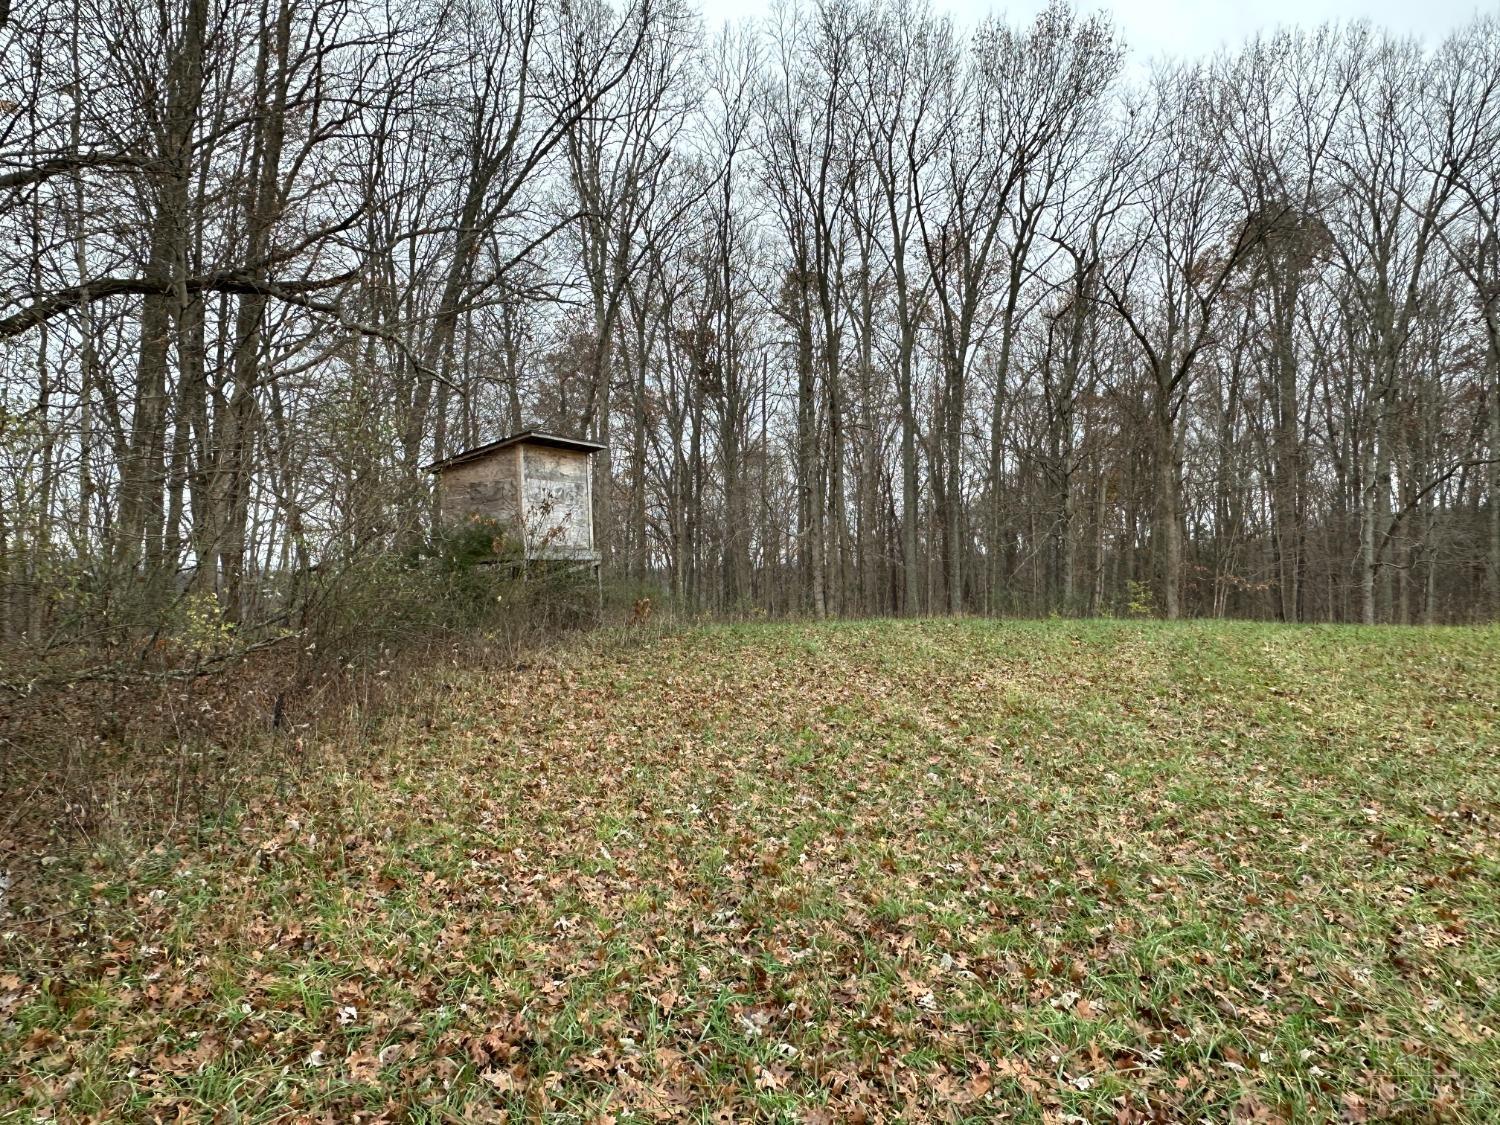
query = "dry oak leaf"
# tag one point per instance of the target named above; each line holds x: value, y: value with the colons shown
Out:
x: 771, y: 1077
x: 503, y: 1081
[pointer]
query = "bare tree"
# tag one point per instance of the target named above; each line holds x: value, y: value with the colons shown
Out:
x: 881, y: 317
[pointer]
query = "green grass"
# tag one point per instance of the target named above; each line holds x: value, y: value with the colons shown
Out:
x: 954, y: 870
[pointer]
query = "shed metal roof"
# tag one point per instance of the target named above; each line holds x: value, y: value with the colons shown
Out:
x: 530, y: 437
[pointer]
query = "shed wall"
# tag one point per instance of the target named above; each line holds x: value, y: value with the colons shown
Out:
x: 487, y: 486
x: 542, y: 493
x: 556, y: 491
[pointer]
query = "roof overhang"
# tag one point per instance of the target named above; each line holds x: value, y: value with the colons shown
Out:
x: 525, y: 437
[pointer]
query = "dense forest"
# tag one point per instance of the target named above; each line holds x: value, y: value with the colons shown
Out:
x: 877, y: 314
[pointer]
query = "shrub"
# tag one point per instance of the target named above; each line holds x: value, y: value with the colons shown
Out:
x: 1142, y: 600
x: 469, y: 579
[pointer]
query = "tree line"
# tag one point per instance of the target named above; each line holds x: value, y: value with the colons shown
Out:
x: 876, y: 313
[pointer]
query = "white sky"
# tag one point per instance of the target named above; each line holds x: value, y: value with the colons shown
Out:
x: 1187, y: 28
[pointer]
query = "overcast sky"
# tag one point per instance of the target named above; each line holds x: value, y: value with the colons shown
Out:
x: 1193, y: 27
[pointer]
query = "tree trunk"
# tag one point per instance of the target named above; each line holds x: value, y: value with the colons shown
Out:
x: 1493, y: 363
x: 1168, y: 518
x: 910, y: 576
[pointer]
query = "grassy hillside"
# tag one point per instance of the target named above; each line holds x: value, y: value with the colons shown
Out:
x: 947, y: 870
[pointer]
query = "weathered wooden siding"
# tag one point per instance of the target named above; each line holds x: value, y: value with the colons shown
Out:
x: 558, y: 511
x: 543, y: 494
x: 487, y: 486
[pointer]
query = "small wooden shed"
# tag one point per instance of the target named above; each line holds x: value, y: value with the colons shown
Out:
x: 540, y: 486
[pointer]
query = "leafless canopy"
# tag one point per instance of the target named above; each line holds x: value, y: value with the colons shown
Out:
x: 876, y: 314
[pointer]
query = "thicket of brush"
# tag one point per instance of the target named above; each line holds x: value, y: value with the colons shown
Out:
x: 138, y: 730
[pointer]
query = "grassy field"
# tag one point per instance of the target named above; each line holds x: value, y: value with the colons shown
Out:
x: 871, y: 871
